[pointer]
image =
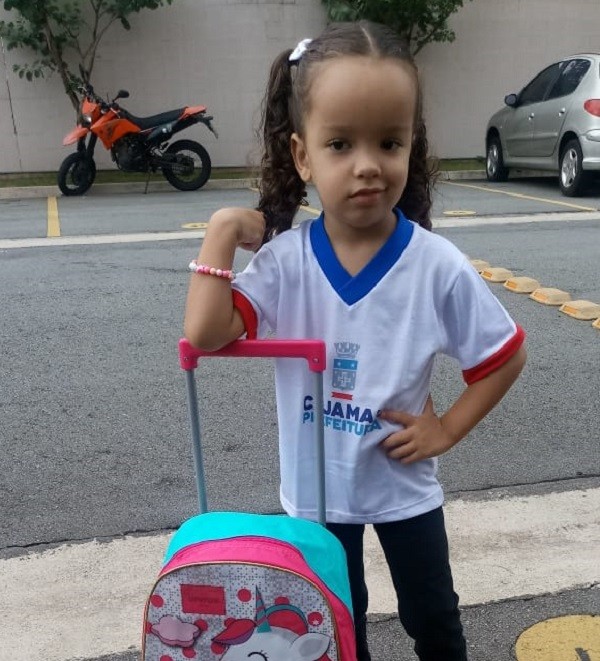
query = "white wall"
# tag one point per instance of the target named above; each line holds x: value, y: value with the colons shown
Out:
x: 500, y: 45
x: 218, y: 52
x: 211, y: 52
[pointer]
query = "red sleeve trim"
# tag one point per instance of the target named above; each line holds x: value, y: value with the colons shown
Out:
x: 496, y: 360
x: 245, y: 308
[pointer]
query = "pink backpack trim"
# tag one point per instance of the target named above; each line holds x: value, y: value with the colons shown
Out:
x: 267, y: 552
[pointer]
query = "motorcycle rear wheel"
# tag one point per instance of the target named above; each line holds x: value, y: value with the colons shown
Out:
x: 191, y: 168
x: 76, y: 174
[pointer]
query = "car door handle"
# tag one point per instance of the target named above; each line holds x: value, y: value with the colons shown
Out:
x: 531, y: 115
x: 562, y: 111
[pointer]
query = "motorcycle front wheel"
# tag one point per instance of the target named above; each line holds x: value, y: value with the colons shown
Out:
x: 189, y: 167
x: 76, y: 174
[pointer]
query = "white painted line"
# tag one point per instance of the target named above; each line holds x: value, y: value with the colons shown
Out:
x: 87, y: 600
x: 98, y: 239
x: 507, y: 220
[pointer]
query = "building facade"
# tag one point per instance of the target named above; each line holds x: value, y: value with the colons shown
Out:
x: 218, y: 52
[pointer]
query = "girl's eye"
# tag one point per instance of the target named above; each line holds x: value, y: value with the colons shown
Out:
x: 337, y: 145
x: 261, y: 654
x: 390, y: 145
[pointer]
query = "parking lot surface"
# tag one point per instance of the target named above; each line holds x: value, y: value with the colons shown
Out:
x: 96, y: 459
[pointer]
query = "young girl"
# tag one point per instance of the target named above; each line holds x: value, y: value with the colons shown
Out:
x: 343, y: 112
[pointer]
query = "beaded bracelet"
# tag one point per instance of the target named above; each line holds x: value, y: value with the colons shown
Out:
x: 202, y: 269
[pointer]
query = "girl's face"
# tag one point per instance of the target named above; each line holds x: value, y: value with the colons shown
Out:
x: 357, y: 138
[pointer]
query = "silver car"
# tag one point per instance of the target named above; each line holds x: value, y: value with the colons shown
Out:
x: 553, y: 123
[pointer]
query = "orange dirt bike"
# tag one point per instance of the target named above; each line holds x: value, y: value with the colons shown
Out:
x: 136, y: 144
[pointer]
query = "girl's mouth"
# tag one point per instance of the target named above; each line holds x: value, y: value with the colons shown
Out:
x: 366, y: 195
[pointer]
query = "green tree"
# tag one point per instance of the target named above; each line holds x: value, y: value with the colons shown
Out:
x: 64, y: 34
x: 418, y: 21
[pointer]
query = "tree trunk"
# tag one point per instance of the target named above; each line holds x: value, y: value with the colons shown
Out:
x: 60, y: 65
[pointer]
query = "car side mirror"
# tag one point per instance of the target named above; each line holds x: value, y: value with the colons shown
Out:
x: 122, y: 94
x: 511, y: 100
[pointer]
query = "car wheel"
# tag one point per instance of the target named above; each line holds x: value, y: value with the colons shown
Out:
x: 572, y: 178
x: 494, y: 161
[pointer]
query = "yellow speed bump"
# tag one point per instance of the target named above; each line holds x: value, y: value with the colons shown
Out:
x: 566, y: 638
x: 479, y: 264
x: 550, y: 296
x: 195, y: 226
x: 596, y: 324
x: 585, y: 310
x: 496, y: 274
x: 522, y: 284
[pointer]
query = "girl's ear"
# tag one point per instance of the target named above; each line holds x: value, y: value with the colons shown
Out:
x: 300, y: 157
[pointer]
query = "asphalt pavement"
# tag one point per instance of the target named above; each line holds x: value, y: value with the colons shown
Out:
x: 96, y: 460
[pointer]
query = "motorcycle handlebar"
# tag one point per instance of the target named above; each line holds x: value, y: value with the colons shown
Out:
x: 88, y: 91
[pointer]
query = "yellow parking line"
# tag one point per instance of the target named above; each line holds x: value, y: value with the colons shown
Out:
x: 302, y: 208
x: 520, y: 196
x: 310, y: 209
x: 53, y: 221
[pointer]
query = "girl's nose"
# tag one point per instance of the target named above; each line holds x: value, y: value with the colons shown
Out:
x: 366, y: 164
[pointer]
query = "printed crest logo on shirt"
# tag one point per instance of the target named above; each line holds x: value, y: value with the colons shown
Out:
x: 346, y: 349
x: 343, y: 417
x: 345, y: 367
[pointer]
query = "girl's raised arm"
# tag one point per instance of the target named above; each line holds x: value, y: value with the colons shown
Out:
x: 211, y: 321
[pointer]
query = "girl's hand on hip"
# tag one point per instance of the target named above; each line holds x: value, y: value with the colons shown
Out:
x: 423, y: 435
x: 247, y: 225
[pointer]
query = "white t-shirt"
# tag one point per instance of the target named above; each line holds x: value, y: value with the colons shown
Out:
x: 419, y: 296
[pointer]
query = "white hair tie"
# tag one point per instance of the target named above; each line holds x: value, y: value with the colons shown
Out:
x: 299, y: 51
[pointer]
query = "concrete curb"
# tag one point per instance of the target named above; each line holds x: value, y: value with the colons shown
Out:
x: 455, y: 175
x: 28, y: 192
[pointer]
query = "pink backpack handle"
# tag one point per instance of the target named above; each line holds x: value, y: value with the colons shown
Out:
x: 312, y: 350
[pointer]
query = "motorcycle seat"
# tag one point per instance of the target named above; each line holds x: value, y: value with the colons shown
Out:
x: 155, y: 120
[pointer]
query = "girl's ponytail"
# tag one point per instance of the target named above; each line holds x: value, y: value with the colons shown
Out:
x: 416, y: 199
x: 281, y: 188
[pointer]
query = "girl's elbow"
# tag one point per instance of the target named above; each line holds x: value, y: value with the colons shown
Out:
x: 200, y: 337
x: 521, y: 357
x: 517, y: 363
x: 209, y: 337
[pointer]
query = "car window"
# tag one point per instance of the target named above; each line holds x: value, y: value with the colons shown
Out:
x: 536, y: 89
x: 572, y: 72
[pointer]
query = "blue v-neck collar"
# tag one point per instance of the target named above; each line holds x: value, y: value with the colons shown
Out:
x: 352, y: 288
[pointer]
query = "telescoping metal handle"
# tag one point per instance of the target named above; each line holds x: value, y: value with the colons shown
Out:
x: 311, y: 350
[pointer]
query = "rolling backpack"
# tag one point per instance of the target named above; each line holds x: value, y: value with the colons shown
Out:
x: 256, y: 587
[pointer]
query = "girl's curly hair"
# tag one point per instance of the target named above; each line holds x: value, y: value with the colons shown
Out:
x: 286, y: 103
